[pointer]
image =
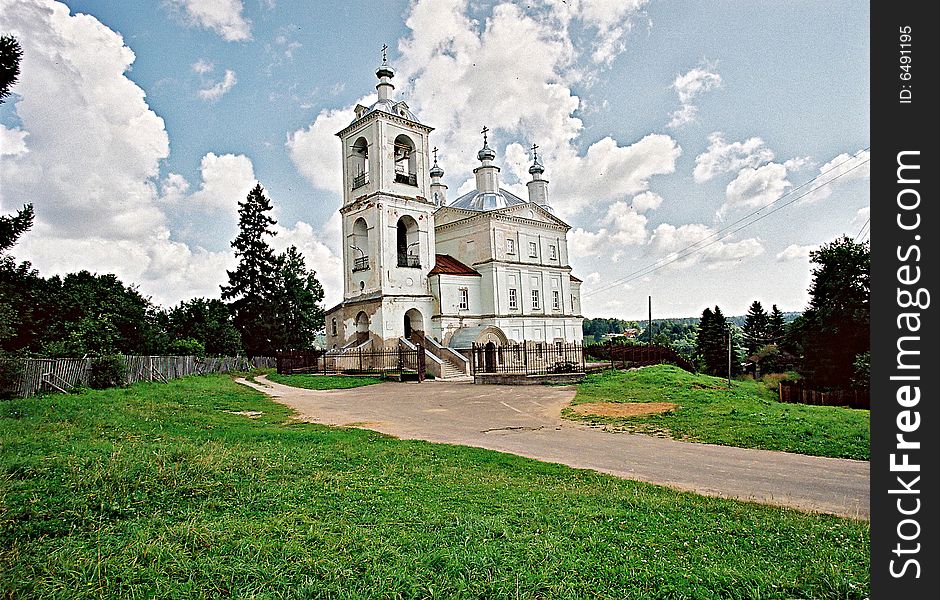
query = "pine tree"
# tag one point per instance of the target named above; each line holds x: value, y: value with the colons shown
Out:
x: 834, y: 330
x: 252, y: 283
x: 296, y: 302
x: 756, y: 328
x: 10, y: 55
x: 776, y: 328
x: 712, y: 344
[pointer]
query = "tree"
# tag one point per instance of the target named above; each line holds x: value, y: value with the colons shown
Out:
x: 296, y: 301
x: 834, y: 329
x: 203, y: 324
x: 10, y: 55
x: 12, y: 227
x: 776, y: 326
x: 712, y: 344
x: 252, y: 282
x: 756, y: 328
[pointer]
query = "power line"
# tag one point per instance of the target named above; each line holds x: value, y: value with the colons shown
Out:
x: 691, y: 249
x: 864, y: 228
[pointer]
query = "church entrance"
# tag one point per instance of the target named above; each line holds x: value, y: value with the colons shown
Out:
x: 414, y: 324
x: 489, y: 358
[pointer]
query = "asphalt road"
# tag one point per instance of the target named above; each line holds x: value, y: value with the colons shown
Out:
x: 525, y: 420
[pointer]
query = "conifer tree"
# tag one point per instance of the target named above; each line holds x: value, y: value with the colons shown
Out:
x: 296, y: 302
x: 776, y: 327
x: 251, y: 284
x: 756, y: 328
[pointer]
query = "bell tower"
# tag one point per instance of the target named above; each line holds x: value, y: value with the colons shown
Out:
x: 387, y: 211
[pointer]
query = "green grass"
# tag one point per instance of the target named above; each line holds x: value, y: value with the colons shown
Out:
x: 324, y: 382
x: 160, y: 491
x: 748, y: 415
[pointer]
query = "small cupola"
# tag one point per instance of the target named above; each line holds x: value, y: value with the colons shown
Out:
x: 538, y: 186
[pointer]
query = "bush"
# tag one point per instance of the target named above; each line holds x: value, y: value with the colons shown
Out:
x: 10, y: 371
x: 107, y: 372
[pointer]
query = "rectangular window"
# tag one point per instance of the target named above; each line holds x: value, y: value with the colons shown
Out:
x: 513, y: 304
x: 556, y: 300
x: 510, y: 246
x: 533, y: 250
x: 553, y: 252
x: 464, y: 299
x: 535, y: 300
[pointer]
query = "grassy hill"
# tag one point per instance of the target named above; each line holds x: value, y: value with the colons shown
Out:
x: 202, y: 488
x: 748, y: 415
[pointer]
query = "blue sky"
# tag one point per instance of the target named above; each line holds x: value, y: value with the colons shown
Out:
x: 136, y: 128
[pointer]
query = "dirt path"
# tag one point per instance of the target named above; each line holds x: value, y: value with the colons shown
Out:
x: 525, y: 420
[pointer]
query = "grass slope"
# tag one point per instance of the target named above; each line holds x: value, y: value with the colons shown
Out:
x: 159, y: 491
x: 323, y: 382
x: 749, y: 415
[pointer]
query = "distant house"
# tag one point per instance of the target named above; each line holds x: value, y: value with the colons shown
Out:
x: 628, y: 334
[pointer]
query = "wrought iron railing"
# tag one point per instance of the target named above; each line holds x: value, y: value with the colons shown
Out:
x: 528, y: 358
x: 360, y: 180
x: 361, y: 264
x: 406, y: 178
x: 409, y: 260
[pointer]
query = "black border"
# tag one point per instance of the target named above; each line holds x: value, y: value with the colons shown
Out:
x: 897, y: 127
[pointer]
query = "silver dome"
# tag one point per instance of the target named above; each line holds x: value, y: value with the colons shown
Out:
x: 483, y: 201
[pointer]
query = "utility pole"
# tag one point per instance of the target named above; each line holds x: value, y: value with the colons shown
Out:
x: 729, y: 355
x: 650, y: 335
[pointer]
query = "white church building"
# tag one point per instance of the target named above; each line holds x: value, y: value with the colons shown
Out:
x: 485, y: 267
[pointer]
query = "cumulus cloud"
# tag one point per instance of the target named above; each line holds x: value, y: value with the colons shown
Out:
x: 622, y: 226
x: 646, y: 201
x: 692, y: 243
x: 216, y: 91
x: 221, y: 16
x: 840, y: 171
x: 92, y: 161
x: 690, y: 86
x: 794, y: 252
x: 448, y: 69
x: 93, y: 153
x: 12, y: 141
x: 756, y: 187
x: 723, y: 157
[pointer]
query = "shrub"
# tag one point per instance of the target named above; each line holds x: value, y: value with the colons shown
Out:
x: 107, y: 372
x: 10, y: 371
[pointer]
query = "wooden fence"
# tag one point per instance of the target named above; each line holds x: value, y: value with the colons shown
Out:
x: 640, y: 355
x: 795, y: 392
x: 65, y: 374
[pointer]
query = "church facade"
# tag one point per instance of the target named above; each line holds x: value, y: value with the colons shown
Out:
x: 485, y: 267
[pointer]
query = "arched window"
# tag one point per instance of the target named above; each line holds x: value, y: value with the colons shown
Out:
x: 359, y: 163
x: 406, y: 161
x: 409, y: 248
x: 360, y: 245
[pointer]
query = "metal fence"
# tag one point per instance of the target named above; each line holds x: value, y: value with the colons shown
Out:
x: 528, y: 358
x: 39, y: 375
x: 797, y: 393
x: 626, y: 357
x: 365, y: 361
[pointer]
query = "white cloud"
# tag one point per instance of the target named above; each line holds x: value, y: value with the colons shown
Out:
x: 756, y: 187
x: 94, y: 151
x: 448, y: 69
x: 692, y: 243
x: 12, y: 141
x: 690, y: 86
x: 226, y: 180
x: 93, y: 160
x: 646, y: 201
x: 214, y: 92
x: 863, y: 214
x: 316, y: 152
x: 723, y: 157
x: 202, y: 66
x: 794, y: 252
x: 222, y: 16
x: 318, y: 256
x: 622, y: 226
x: 839, y: 171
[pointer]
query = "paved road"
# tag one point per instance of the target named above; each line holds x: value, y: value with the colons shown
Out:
x: 525, y: 420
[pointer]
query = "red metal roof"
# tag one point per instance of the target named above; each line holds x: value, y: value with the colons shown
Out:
x: 573, y: 278
x: 448, y: 265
